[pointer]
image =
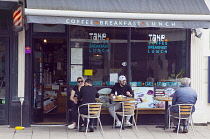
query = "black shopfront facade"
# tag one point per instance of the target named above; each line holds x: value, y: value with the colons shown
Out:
x: 150, y: 53
x: 8, y: 63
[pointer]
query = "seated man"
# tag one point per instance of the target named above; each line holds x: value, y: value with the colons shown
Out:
x: 184, y: 95
x: 87, y: 94
x: 121, y: 88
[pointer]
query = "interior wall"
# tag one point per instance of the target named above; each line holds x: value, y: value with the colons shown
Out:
x: 199, y: 75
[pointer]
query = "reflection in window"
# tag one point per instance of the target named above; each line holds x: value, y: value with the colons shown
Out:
x: 158, y: 55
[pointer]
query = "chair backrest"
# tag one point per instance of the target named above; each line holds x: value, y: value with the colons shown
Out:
x: 185, y: 110
x: 94, y: 109
x: 128, y: 107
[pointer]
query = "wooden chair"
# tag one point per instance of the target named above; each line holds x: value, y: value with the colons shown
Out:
x: 94, y: 110
x: 185, y: 112
x: 128, y: 109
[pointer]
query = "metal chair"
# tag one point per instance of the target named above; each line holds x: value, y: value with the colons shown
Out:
x: 185, y: 112
x: 128, y: 109
x: 94, y: 110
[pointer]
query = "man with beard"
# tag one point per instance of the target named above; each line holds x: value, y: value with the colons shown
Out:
x: 120, y: 88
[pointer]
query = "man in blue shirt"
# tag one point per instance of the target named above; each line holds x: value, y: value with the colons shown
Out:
x: 183, y: 95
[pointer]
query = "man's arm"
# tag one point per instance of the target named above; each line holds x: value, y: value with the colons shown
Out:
x: 112, y: 92
x: 129, y: 92
x: 174, y: 99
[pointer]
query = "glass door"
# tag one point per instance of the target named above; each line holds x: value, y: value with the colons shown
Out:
x: 4, y: 44
x: 38, y: 84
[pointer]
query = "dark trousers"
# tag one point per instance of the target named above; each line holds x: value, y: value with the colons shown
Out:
x: 74, y: 112
x: 84, y: 110
x: 176, y: 121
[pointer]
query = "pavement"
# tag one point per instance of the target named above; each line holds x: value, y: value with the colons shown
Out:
x: 62, y: 132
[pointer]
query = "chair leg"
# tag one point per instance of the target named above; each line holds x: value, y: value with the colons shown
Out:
x: 192, y: 125
x: 169, y: 121
x: 101, y: 125
x: 178, y: 127
x: 122, y: 123
x: 78, y: 122
x: 135, y: 123
x: 88, y: 120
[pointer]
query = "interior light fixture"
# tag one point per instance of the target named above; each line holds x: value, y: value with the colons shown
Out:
x: 45, y: 40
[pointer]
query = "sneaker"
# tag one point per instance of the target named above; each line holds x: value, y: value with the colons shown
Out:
x: 72, y: 126
x: 128, y: 123
x: 175, y: 130
x: 185, y: 130
x: 118, y: 123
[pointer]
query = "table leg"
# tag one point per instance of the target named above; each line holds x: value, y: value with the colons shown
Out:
x: 166, y: 115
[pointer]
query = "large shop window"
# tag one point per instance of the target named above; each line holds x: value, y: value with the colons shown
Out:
x: 158, y: 59
x: 157, y: 55
x: 98, y: 53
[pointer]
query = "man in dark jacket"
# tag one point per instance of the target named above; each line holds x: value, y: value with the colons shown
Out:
x: 87, y: 94
x: 121, y: 88
x: 184, y: 95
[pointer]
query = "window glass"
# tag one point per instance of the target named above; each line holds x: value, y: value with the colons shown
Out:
x: 158, y: 55
x: 104, y: 54
x: 4, y: 23
x: 2, y: 72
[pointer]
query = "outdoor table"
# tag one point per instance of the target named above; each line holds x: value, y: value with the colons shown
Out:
x: 123, y: 99
x: 166, y: 99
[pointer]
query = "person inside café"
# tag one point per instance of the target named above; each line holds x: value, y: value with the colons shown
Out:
x: 183, y: 95
x: 120, y: 88
x: 87, y: 94
x: 74, y: 104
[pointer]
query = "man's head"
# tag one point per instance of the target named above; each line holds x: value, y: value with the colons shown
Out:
x: 185, y: 81
x: 122, y: 80
x: 88, y: 82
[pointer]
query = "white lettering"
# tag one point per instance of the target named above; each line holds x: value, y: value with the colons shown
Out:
x: 173, y: 24
x: 120, y: 23
x: 115, y: 23
x: 67, y: 20
x: 78, y: 21
x: 110, y: 22
x: 101, y: 22
x: 73, y: 21
x: 87, y: 22
x: 91, y: 22
x: 150, y: 37
x: 153, y: 23
x: 160, y: 24
x: 166, y: 24
x: 129, y: 23
x: 82, y: 21
x: 106, y: 23
x: 125, y: 22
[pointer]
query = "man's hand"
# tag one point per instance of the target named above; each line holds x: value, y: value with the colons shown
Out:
x: 111, y: 95
x: 128, y: 94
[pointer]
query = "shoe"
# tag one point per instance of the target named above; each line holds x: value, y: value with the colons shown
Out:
x: 82, y: 129
x: 175, y: 130
x: 71, y: 126
x: 118, y: 124
x: 185, y: 130
x: 91, y: 128
x: 128, y: 123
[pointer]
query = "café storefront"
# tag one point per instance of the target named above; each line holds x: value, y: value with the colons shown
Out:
x: 153, y: 53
